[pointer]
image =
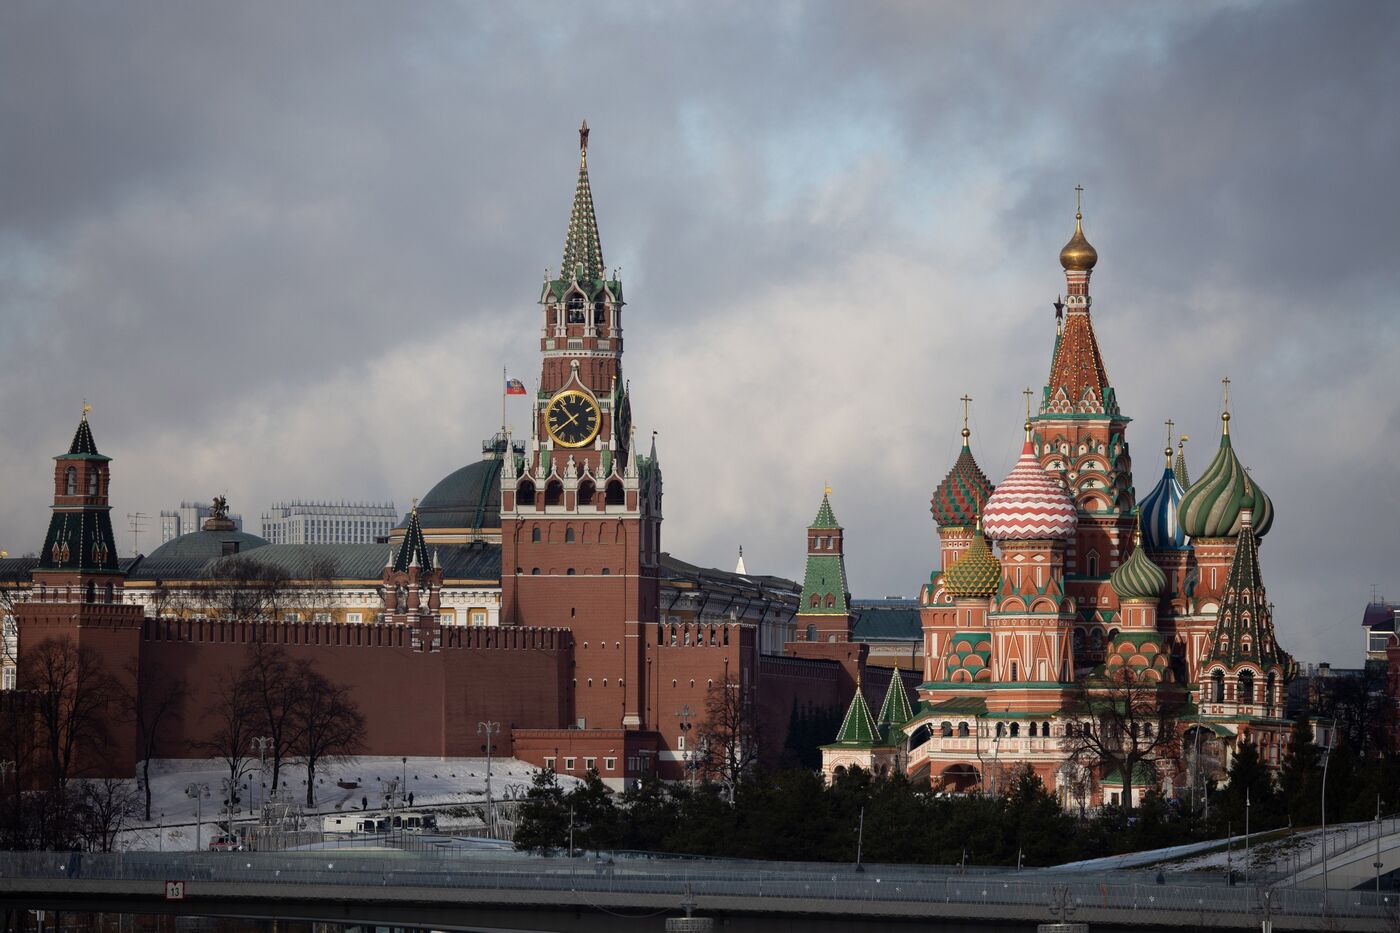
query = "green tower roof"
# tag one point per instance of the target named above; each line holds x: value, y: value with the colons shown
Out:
x: 858, y: 729
x: 825, y: 517
x: 896, y: 710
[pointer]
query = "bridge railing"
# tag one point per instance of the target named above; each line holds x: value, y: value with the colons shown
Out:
x: 1148, y: 902
x: 1334, y: 842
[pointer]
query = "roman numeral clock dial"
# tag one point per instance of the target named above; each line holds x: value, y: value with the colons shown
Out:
x: 572, y: 418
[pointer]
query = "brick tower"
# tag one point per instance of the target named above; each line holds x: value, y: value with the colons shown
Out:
x: 580, y: 513
x: 77, y: 594
x: 824, y: 614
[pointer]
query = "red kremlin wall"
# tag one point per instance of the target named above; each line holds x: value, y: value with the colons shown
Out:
x: 415, y: 701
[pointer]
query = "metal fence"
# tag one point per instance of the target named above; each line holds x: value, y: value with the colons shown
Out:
x: 1335, y: 842
x: 830, y: 884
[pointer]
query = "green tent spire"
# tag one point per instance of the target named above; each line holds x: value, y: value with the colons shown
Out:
x: 825, y: 517
x: 858, y: 729
x: 583, y: 250
x: 896, y: 710
x: 415, y: 547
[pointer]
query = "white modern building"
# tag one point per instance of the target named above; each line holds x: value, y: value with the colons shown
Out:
x: 328, y: 522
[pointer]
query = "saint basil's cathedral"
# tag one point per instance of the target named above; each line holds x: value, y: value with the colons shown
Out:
x: 1092, y: 586
x: 594, y: 648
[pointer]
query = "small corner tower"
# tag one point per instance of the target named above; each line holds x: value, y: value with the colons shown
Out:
x: 824, y: 613
x: 412, y: 581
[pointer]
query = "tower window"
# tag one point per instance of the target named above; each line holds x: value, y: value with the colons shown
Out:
x: 568, y: 535
x: 70, y: 481
x: 92, y: 482
x: 535, y: 534
x: 574, y: 307
x: 1246, y: 686
x: 553, y: 492
x: 615, y: 493
x: 1015, y: 730
x: 811, y: 631
x: 1218, y: 686
x: 1093, y: 562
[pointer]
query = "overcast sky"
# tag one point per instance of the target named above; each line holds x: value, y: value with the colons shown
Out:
x: 285, y: 250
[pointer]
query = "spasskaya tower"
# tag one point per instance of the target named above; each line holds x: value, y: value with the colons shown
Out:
x: 581, y: 512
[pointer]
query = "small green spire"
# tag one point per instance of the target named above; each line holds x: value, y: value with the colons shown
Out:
x: 858, y: 728
x: 896, y: 710
x: 825, y: 517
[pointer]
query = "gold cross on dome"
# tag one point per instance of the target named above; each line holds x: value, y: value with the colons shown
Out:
x: 1226, y: 383
x: 1078, y: 202
x: 1027, y: 393
x: 1170, y: 424
x: 966, y: 400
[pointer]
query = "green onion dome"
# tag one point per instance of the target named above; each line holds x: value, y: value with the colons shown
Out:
x: 976, y: 574
x: 957, y: 499
x: 1211, y: 507
x: 1137, y: 577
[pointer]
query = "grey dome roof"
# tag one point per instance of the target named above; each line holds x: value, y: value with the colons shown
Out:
x: 202, y: 546
x: 466, y: 498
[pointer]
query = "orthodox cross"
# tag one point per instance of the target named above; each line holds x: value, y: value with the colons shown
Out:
x: 1027, y: 393
x: 1226, y: 383
x: 1170, y: 424
x: 966, y: 400
x: 1078, y: 204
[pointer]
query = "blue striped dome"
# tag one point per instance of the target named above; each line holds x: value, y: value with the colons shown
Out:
x: 1161, y: 528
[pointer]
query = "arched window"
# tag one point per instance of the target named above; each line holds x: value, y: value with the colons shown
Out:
x: 535, y: 534
x: 570, y: 572
x: 586, y: 492
x: 1032, y: 730
x: 108, y: 593
x: 946, y: 730
x: 1246, y: 686
x: 606, y: 571
x: 1001, y: 729
x: 525, y: 495
x: 1015, y: 730
x: 816, y: 601
x: 574, y: 308
x: 91, y: 592
x: 1269, y: 690
x: 812, y: 630
x: 1045, y: 729
x: 92, y: 482
x: 962, y: 730
x: 830, y: 601
x: 569, y: 535
x: 616, y: 495
x: 70, y: 481
x: 1093, y: 562
x: 600, y: 313
x: 553, y: 492
x: 534, y: 571
x: 1218, y: 686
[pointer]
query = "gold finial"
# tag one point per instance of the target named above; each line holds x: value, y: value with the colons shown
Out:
x: 1181, y: 441
x: 966, y: 400
x: 1225, y: 415
x: 583, y: 143
x: 86, y: 408
x: 1078, y: 202
x: 1137, y: 527
x: 827, y: 490
x: 1027, y: 393
x: 1170, y: 424
x: 4, y: 554
x: 415, y: 505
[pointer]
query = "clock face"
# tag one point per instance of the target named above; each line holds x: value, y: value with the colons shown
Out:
x: 572, y: 418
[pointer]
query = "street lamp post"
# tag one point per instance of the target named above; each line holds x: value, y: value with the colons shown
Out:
x: 685, y: 714
x: 860, y: 839
x: 403, y: 791
x: 1326, y: 757
x: 198, y: 792
x: 262, y: 743
x: 489, y: 729
x: 1379, y: 864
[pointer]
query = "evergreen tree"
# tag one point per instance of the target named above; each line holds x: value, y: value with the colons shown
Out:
x: 1300, y: 775
x: 648, y: 815
x: 543, y: 823
x: 596, y: 825
x: 1250, y: 786
x: 1034, y: 826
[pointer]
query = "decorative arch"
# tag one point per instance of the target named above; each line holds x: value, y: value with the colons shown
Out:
x: 525, y: 494
x: 553, y: 493
x: 615, y: 494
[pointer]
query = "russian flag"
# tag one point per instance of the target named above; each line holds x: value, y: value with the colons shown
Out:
x: 515, y: 387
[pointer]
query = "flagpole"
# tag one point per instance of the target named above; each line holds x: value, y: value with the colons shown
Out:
x: 503, y: 402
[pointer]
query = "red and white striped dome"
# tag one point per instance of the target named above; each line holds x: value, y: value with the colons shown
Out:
x: 1029, y: 504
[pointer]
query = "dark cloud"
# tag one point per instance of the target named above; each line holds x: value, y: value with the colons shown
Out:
x: 286, y: 249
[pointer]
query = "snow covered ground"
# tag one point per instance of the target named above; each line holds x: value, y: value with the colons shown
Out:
x: 432, y: 782
x: 1276, y: 855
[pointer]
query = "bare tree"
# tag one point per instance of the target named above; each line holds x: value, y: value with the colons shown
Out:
x: 1122, y: 721
x: 233, y: 721
x: 317, y: 594
x: 328, y: 724
x: 154, y: 699
x: 105, y: 808
x: 241, y: 587
x: 71, y: 692
x: 728, y: 738
x: 277, y: 689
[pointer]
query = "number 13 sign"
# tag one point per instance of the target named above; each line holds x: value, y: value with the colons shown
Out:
x: 174, y: 890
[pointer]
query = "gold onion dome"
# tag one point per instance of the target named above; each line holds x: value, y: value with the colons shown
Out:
x: 976, y: 574
x: 1078, y: 255
x: 1138, y: 577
